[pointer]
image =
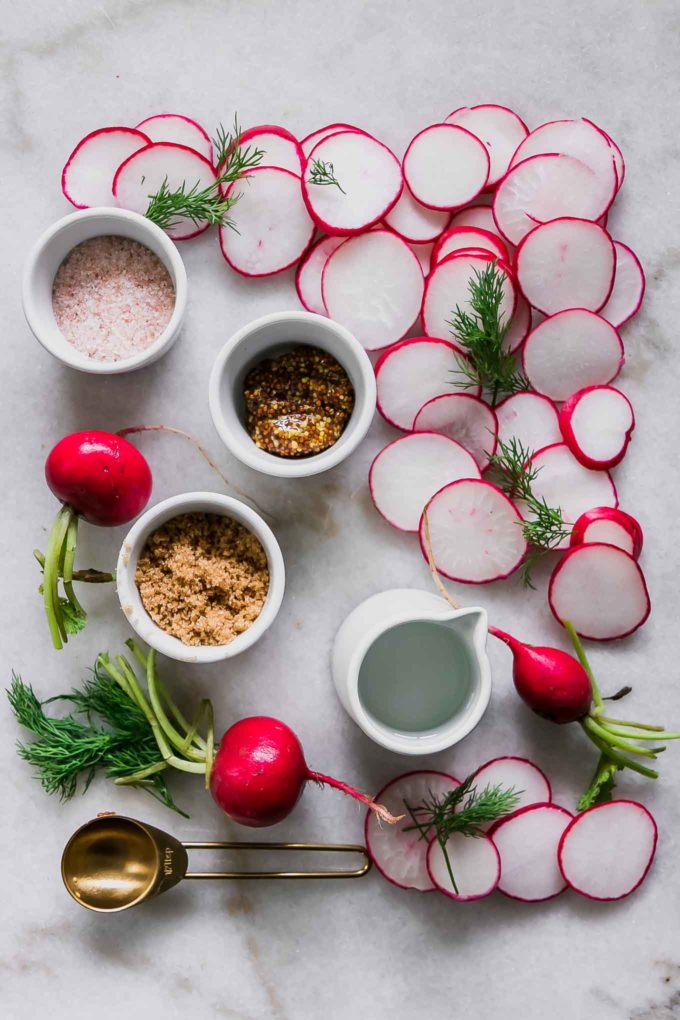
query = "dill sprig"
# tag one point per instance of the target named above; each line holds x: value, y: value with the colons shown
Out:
x: 324, y: 174
x: 481, y: 333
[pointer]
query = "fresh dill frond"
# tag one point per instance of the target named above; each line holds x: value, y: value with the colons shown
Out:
x: 324, y: 174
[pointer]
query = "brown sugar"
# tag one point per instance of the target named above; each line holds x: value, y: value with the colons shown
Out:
x: 203, y: 578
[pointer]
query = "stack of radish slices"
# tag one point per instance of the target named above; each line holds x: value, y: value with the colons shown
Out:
x: 533, y: 854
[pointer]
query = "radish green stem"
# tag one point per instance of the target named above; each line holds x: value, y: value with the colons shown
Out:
x: 172, y: 736
x: 163, y: 691
x: 51, y: 576
x: 583, y: 659
x: 632, y: 725
x: 609, y: 737
x: 618, y: 759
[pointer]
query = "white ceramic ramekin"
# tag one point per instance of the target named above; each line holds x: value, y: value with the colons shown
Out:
x: 50, y: 251
x: 128, y: 593
x: 272, y: 335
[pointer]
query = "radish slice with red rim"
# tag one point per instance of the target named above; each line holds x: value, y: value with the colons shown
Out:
x: 423, y: 252
x: 530, y: 418
x: 446, y: 166
x: 520, y: 325
x: 568, y: 263
x: 373, y: 285
x: 475, y: 532
x: 414, y: 222
x: 527, y: 843
x: 407, y: 472
x: 310, y: 271
x: 611, y: 526
x: 619, y: 162
x: 477, y: 216
x: 519, y: 774
x: 370, y: 180
x: 274, y: 228
x: 412, y: 372
x: 174, y: 127
x: 597, y: 424
x: 498, y: 128
x: 313, y: 139
x: 629, y: 287
x: 459, y: 238
x: 606, y: 852
x: 475, y: 864
x: 448, y: 286
x: 89, y: 170
x: 569, y: 351
x: 465, y: 418
x: 279, y: 147
x: 601, y: 590
x: 567, y: 485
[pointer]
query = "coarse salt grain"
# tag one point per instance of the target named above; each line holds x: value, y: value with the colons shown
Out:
x: 112, y: 298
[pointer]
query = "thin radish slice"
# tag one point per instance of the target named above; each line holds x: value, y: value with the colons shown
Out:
x: 629, y: 287
x: 141, y: 175
x: 619, y: 161
x: 410, y: 470
x: 571, y: 350
x: 373, y: 285
x: 448, y: 287
x: 606, y: 852
x: 273, y: 226
x: 462, y: 417
x: 87, y: 175
x: 601, y: 590
x: 568, y: 263
x: 446, y: 166
x: 174, y: 127
x: 568, y: 486
x: 597, y: 424
x: 611, y: 526
x: 475, y: 864
x: 423, y: 252
x: 498, y: 128
x: 527, y: 843
x: 310, y: 271
x: 412, y: 372
x: 518, y: 774
x: 400, y: 856
x: 370, y: 180
x: 477, y: 216
x: 475, y: 533
x: 530, y: 418
x: 313, y: 139
x: 415, y: 222
x: 279, y: 147
x: 458, y: 238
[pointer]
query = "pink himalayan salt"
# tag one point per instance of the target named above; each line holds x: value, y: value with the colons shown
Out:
x: 112, y: 298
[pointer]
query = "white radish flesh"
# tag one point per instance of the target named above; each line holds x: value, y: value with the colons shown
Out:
x: 410, y: 470
x: 520, y: 325
x: 629, y: 287
x: 446, y: 166
x: 458, y: 238
x: 527, y: 843
x: 310, y: 271
x: 448, y: 286
x: 606, y: 852
x: 411, y: 373
x: 610, y: 525
x: 312, y: 140
x: 498, y: 128
x: 597, y: 424
x: 415, y: 222
x: 423, y: 252
x: 568, y: 486
x: 477, y: 216
x: 173, y: 127
x: 569, y: 351
x: 370, y: 178
x: 373, y: 285
x: 518, y: 774
x: 601, y: 590
x: 529, y: 418
x: 568, y: 263
x: 465, y: 418
x: 475, y: 865
x: 88, y: 174
x: 475, y: 533
x: 278, y: 146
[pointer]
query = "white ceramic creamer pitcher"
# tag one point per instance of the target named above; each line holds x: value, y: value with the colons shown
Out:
x: 412, y: 671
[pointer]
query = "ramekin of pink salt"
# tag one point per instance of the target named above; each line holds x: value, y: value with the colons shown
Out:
x: 105, y: 291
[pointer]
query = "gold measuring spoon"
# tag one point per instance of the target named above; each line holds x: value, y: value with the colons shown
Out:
x: 113, y: 862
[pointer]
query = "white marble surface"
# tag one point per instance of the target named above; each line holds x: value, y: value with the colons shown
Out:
x: 336, y: 951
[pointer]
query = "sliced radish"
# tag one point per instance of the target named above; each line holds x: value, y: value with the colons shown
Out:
x: 412, y: 372
x: 141, y: 175
x: 373, y: 285
x: 310, y: 271
x: 611, y: 526
x: 606, y: 851
x: 174, y: 127
x: 629, y: 287
x: 567, y: 485
x: 279, y: 147
x: 273, y: 226
x: 88, y: 173
x: 530, y: 418
x: 597, y: 424
x: 423, y: 252
x: 458, y: 238
x: 369, y: 175
x: 477, y: 216
x: 518, y: 774
x: 475, y: 532
x: 601, y: 590
x: 446, y: 166
x: 619, y: 161
x: 475, y: 864
x: 415, y: 222
x: 313, y: 139
x: 527, y: 843
x: 568, y: 263
x: 462, y: 417
x: 400, y: 856
x: 498, y: 128
x: 520, y: 325
x: 571, y: 350
x: 410, y: 470
x: 448, y: 287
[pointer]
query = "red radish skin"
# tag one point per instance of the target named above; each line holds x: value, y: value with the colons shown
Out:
x: 477, y: 216
x: 448, y: 286
x: 459, y: 238
x: 628, y: 289
x: 80, y: 185
x: 476, y: 866
x: 530, y: 418
x: 284, y: 151
x: 536, y: 878
x: 524, y: 776
x: 175, y: 127
x: 610, y: 525
x: 500, y: 130
x: 313, y: 139
x: 612, y: 421
x: 446, y: 166
x: 414, y: 222
x: 466, y: 418
x: 410, y: 373
x: 310, y: 271
x: 570, y: 350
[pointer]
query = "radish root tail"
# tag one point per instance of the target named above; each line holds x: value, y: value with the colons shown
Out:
x: 433, y: 569
x: 379, y: 809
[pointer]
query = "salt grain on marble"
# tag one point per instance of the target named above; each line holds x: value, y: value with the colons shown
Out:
x: 112, y: 298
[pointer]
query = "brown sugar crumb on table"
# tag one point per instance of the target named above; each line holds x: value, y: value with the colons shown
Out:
x: 203, y: 578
